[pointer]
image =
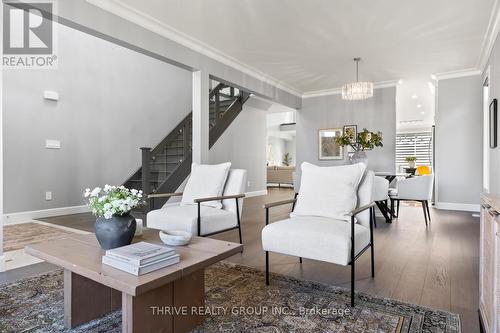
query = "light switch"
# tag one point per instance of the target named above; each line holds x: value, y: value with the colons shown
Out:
x: 48, y: 196
x: 52, y: 144
x: 51, y: 95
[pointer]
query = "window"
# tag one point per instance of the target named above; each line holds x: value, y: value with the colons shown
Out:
x: 413, y: 144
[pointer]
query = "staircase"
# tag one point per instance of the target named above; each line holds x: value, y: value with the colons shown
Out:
x: 167, y: 165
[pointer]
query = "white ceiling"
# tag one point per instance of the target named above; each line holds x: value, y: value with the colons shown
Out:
x: 309, y: 45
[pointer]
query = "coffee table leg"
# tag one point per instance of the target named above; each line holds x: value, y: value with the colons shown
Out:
x: 85, y: 299
x: 173, y: 307
x: 190, y: 292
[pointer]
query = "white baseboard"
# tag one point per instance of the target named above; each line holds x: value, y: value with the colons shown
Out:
x: 457, y: 206
x: 22, y: 217
x: 255, y: 193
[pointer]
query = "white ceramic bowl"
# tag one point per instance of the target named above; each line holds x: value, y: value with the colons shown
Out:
x: 175, y: 237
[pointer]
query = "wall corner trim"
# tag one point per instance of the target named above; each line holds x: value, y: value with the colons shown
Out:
x: 457, y: 206
x: 490, y: 36
x: 20, y: 217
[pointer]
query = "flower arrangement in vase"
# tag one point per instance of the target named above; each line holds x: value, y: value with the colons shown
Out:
x: 114, y: 226
x: 364, y: 140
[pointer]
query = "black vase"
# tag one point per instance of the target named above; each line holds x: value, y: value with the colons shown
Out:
x: 115, y: 232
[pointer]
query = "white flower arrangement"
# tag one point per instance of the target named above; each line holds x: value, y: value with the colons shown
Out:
x: 113, y: 200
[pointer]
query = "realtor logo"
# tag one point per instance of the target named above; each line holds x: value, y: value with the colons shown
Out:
x: 28, y: 35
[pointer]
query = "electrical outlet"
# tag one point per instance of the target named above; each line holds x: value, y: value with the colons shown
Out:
x: 248, y: 184
x: 48, y: 196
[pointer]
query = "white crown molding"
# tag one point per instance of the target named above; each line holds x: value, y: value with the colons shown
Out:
x: 490, y: 37
x: 337, y: 91
x: 458, y: 74
x: 122, y: 10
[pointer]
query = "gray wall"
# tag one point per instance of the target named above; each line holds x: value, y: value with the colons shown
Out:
x: 112, y: 101
x: 87, y: 16
x: 291, y: 149
x: 459, y: 138
x: 244, y: 144
x: 375, y: 114
x: 277, y: 148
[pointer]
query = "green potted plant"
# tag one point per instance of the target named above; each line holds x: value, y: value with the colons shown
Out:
x: 365, y: 140
x: 411, y: 160
x: 287, y: 159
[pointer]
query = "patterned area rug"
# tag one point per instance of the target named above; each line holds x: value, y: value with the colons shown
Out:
x: 238, y: 301
x: 17, y: 236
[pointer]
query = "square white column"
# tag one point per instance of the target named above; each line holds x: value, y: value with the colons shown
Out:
x: 200, y: 117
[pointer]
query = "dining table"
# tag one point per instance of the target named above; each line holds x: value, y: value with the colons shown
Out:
x: 388, y: 212
x: 390, y: 176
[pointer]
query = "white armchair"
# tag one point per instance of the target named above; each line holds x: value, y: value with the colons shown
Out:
x: 417, y: 188
x: 200, y: 219
x: 323, y: 238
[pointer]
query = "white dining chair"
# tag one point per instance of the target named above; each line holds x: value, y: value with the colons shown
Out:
x: 413, y: 189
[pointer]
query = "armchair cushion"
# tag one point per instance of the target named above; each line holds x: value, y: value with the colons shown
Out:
x: 205, y: 181
x: 316, y: 238
x: 176, y: 217
x: 380, y: 189
x: 328, y: 191
x: 415, y: 188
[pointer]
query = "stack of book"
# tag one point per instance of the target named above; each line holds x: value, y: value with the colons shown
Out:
x: 140, y: 258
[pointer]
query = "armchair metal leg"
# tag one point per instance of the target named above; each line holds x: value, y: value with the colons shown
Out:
x: 352, y: 283
x: 428, y: 211
x: 295, y: 197
x: 374, y: 218
x: 425, y: 213
x: 352, y: 261
x: 397, y: 210
x: 371, y: 243
x: 238, y: 218
x: 300, y: 260
x: 199, y: 219
x: 267, y: 268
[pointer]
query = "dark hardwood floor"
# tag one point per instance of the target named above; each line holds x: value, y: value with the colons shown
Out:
x: 435, y: 267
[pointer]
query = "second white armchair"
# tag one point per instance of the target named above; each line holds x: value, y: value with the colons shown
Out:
x: 201, y: 217
x: 414, y: 189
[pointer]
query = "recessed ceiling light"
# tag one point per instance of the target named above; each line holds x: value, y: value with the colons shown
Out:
x: 434, y: 77
x: 419, y: 106
x: 414, y: 96
x: 400, y: 81
x: 422, y: 112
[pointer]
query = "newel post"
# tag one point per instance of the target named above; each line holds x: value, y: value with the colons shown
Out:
x: 146, y: 170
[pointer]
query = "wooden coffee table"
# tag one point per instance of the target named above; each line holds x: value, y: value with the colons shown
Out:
x: 162, y: 301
